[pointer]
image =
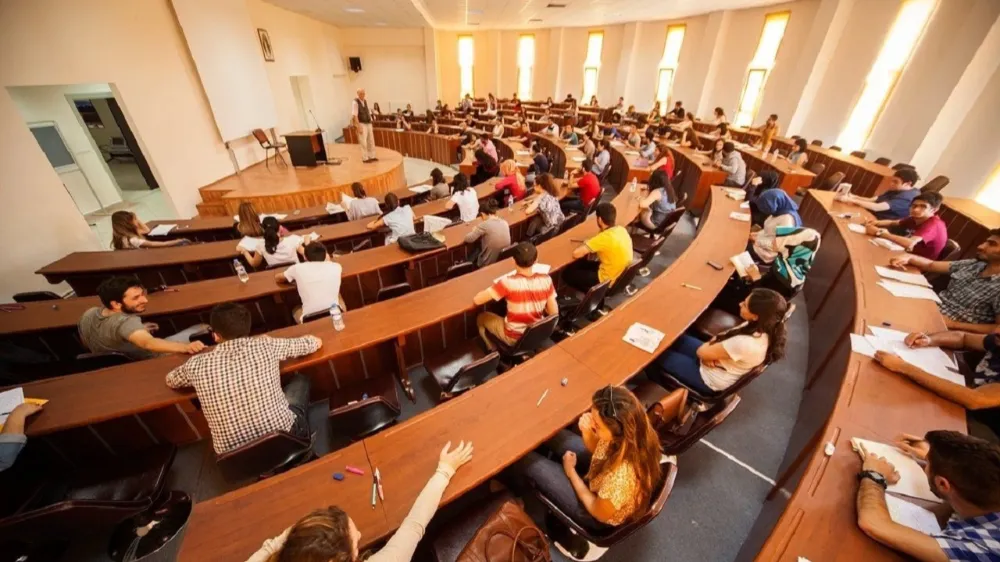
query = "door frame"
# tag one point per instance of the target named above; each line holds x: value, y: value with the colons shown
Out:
x: 75, y: 166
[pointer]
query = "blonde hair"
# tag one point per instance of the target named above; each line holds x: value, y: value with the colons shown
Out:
x: 249, y: 224
x: 122, y: 228
x: 509, y: 168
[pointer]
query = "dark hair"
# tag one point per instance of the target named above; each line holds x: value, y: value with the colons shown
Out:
x: 358, y: 189
x: 588, y: 164
x: 484, y: 136
x: 908, y: 175
x: 689, y: 115
x: 678, y: 104
x: 391, y: 202
x: 460, y: 183
x: 122, y: 228
x: 535, y: 147
x: 770, y: 308
x: 728, y: 147
x: 230, y: 320
x: 650, y: 134
x: 545, y: 182
x: 660, y: 180
x: 437, y: 176
x: 607, y: 213
x: 723, y: 128
x: 801, y: 144
x: 315, y: 251
x: 113, y: 289
x: 271, y: 237
x: 525, y: 254
x: 322, y: 536
x: 932, y: 198
x: 719, y: 111
x: 970, y: 464
x: 605, y: 143
x: 490, y: 207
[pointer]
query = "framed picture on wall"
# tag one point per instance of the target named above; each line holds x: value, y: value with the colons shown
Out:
x: 265, y: 44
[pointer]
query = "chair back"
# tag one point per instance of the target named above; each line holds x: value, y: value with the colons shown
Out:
x: 534, y: 337
x: 626, y: 278
x: 459, y: 269
x: 363, y: 418
x: 473, y: 374
x: 816, y: 142
x: 100, y: 360
x: 676, y: 438
x: 589, y: 303
x: 835, y: 147
x: 261, y: 137
x: 951, y: 251
x: 315, y: 316
x: 883, y: 160
x: 859, y: 154
x: 901, y: 165
x: 749, y: 178
x: 795, y: 137
x: 268, y: 454
x: 672, y: 406
x: 204, y: 336
x: 818, y: 168
x: 366, y: 243
x: 573, y: 219
x: 36, y: 296
x: 507, y: 252
x: 544, y: 235
x: 831, y: 183
x: 935, y: 185
x: 648, y: 255
x: 393, y: 291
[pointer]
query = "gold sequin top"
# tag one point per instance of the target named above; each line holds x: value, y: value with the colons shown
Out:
x: 619, y: 486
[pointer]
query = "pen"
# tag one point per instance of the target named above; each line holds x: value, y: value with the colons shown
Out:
x: 378, y: 484
x: 544, y: 394
x: 689, y: 286
x: 373, y: 493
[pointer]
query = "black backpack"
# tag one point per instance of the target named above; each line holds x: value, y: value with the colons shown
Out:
x: 419, y: 243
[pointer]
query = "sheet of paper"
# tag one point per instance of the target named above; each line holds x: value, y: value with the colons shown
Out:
x: 579, y: 158
x: 860, y: 344
x: 249, y: 243
x: 855, y: 227
x: 744, y: 217
x: 632, y: 152
x: 908, y: 291
x: 912, y: 480
x: 421, y: 188
x: 888, y: 245
x: 912, y: 516
x: 643, y: 337
x: 930, y: 359
x: 735, y: 193
x: 346, y: 199
x: 9, y: 400
x: 523, y: 152
x: 745, y: 205
x: 434, y: 223
x: 162, y: 229
x: 333, y: 208
x: 887, y: 334
x: 911, y: 278
x: 742, y: 262
x: 278, y: 216
x: 312, y: 236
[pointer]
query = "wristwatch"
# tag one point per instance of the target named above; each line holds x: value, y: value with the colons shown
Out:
x: 874, y: 477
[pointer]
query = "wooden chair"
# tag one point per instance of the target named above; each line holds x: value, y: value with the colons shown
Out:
x: 393, y: 291
x: 816, y: 142
x: 530, y: 342
x: 36, y: 296
x: 455, y: 373
x: 859, y: 154
x: 883, y: 161
x: 935, y: 185
x: 572, y: 309
x: 267, y: 144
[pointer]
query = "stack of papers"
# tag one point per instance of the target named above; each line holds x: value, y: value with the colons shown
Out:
x: 745, y: 205
x: 855, y: 227
x: 888, y: 245
x: 736, y: 193
x: 434, y: 223
x: 931, y: 360
x: 912, y: 480
x: 539, y: 268
x: 643, y: 337
x: 902, y: 276
x: 908, y: 291
x: 912, y: 516
x: 333, y: 208
x: 249, y: 244
x: 744, y: 217
x: 420, y: 188
x: 162, y: 229
x: 523, y: 152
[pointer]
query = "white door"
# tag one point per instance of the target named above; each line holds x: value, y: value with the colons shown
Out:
x: 73, y: 178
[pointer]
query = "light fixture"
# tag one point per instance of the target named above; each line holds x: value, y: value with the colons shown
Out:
x: 354, y: 10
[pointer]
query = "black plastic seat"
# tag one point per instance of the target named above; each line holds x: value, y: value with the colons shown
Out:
x: 36, y: 296
x: 370, y: 415
x: 859, y: 154
x: 883, y: 161
x: 544, y: 235
x: 507, y: 252
x: 651, y: 249
x: 572, y: 309
x: 572, y: 220
x: 101, y: 360
x: 935, y: 185
x: 624, y: 282
x: 529, y: 343
x: 461, y: 368
x: 816, y: 142
x: 393, y: 291
x: 677, y: 425
x: 315, y: 316
x: 459, y: 269
x: 265, y: 456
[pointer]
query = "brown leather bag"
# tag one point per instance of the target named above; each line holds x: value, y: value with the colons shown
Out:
x: 509, y: 535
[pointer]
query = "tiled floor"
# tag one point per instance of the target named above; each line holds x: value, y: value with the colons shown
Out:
x: 419, y: 170
x: 148, y: 205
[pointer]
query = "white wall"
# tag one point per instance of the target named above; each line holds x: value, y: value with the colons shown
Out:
x: 393, y: 65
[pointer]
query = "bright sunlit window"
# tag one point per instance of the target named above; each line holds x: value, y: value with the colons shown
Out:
x: 592, y: 65
x: 989, y: 195
x: 668, y: 65
x: 899, y: 45
x: 760, y: 68
x: 525, y: 66
x: 466, y: 56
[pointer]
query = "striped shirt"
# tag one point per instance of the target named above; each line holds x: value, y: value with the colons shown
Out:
x: 526, y: 297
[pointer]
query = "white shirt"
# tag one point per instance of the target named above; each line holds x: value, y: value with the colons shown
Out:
x: 400, y: 223
x: 318, y: 283
x: 286, y: 252
x: 745, y: 352
x: 467, y: 201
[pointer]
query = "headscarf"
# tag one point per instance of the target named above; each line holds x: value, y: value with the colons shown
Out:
x: 509, y: 168
x: 775, y: 202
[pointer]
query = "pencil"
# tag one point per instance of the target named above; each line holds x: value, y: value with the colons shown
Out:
x: 373, y: 493
x: 689, y: 286
x: 544, y: 394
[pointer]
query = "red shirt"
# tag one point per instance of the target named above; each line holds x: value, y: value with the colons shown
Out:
x: 590, y: 188
x: 510, y: 182
x: 526, y: 298
x: 933, y: 235
x: 668, y: 167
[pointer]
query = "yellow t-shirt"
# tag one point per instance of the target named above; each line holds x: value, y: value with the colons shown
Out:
x: 614, y: 248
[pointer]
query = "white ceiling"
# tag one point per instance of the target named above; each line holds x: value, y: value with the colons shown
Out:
x: 504, y: 14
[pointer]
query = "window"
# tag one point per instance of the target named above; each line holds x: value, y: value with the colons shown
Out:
x: 466, y: 56
x: 592, y: 65
x: 899, y: 45
x: 525, y: 66
x: 989, y: 195
x: 668, y: 65
x: 760, y: 68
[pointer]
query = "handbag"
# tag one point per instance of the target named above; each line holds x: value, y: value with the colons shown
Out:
x: 419, y: 243
x: 508, y: 535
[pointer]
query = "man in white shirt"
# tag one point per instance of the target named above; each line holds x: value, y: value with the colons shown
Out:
x: 317, y: 280
x: 361, y: 120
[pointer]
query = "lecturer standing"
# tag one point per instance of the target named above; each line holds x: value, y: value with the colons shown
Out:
x: 361, y: 120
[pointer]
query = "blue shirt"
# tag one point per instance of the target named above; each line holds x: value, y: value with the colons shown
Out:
x: 899, y: 204
x: 541, y: 163
x: 10, y: 446
x: 971, y: 540
x: 601, y: 162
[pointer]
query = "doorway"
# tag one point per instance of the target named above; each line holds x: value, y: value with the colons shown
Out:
x: 109, y: 130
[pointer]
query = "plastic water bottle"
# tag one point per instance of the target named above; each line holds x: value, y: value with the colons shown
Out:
x: 241, y: 271
x: 510, y: 200
x: 635, y: 181
x: 338, y: 318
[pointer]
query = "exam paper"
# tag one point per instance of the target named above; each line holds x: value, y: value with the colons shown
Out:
x: 579, y: 158
x: 9, y: 400
x: 743, y: 217
x: 912, y: 480
x: 312, y: 237
x: 737, y: 194
x: 855, y: 227
x: 249, y: 244
x: 523, y: 152
x: 162, y: 229
x: 888, y: 245
x: 643, y: 337
x: 421, y: 188
x: 908, y: 291
x: 333, y: 208
x: 860, y: 344
x: 912, y: 516
x: 911, y: 278
x: 745, y: 205
x: 434, y: 223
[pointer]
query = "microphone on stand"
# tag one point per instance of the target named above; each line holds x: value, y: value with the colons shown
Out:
x: 318, y: 128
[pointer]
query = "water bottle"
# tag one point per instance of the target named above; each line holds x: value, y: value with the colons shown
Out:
x: 338, y: 318
x: 635, y: 182
x: 241, y: 271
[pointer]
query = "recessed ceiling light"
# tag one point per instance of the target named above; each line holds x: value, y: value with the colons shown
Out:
x: 354, y: 10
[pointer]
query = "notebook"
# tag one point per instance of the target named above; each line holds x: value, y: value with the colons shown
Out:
x: 162, y: 229
x: 912, y: 480
x: 249, y: 244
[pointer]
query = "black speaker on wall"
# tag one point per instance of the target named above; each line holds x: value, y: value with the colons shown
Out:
x: 355, y: 63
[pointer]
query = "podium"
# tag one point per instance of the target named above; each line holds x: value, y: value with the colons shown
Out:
x: 306, y: 148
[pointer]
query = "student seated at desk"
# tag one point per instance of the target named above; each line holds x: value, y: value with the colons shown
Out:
x: 498, y: 129
x: 612, y: 246
x: 982, y: 397
x: 791, y: 250
x: 569, y: 135
x: 512, y: 180
x: 399, y: 219
x: 720, y: 117
x: 493, y: 233
x: 723, y: 132
x: 117, y: 327
x: 768, y: 131
x: 587, y: 187
x: 770, y: 206
x: 924, y: 233
x: 486, y: 167
x: 732, y: 163
x: 330, y: 535
x: 659, y: 201
x: 464, y: 197
x: 552, y: 129
x: 274, y: 248
x: 239, y: 385
x: 713, y: 366
x: 249, y: 222
x: 894, y: 204
x: 433, y: 127
x: 12, y: 437
x: 544, y: 205
x: 800, y: 156
x: 439, y: 186
x: 588, y: 147
x: 663, y: 159
x: 971, y: 302
x: 530, y: 297
x: 523, y: 131
x: 542, y: 164
x: 678, y: 112
x: 361, y: 205
x: 603, y: 157
x: 648, y: 150
x: 317, y: 280
x: 963, y: 471
x: 408, y: 112
x: 129, y: 233
x: 486, y: 144
x: 715, y: 154
x: 605, y: 476
x: 634, y: 138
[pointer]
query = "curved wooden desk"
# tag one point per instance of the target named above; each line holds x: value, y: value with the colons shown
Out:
x: 500, y: 417
x: 697, y: 174
x: 415, y: 144
x: 847, y: 395
x: 791, y: 177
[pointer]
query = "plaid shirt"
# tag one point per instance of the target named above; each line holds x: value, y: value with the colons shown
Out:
x: 971, y: 540
x: 969, y: 297
x: 239, y: 386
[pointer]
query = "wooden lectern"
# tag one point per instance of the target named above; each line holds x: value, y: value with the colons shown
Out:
x: 306, y: 148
